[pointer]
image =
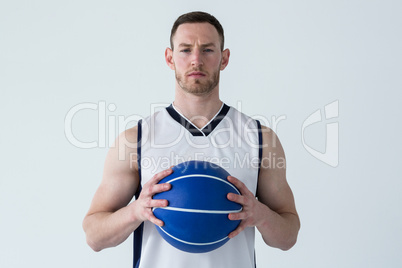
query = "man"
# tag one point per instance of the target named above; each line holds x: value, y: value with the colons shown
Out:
x: 197, y: 125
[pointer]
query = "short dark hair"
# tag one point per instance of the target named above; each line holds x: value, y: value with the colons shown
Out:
x: 197, y: 17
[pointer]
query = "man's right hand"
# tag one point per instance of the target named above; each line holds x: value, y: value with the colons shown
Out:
x: 144, y: 204
x: 111, y: 218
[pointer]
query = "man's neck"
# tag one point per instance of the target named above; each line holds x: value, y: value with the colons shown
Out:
x: 198, y: 109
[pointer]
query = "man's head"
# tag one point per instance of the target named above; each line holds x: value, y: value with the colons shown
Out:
x: 196, y: 54
x: 198, y: 17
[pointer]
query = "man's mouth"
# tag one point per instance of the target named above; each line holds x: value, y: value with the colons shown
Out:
x: 196, y: 74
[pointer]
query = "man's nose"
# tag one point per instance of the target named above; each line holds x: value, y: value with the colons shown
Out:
x: 196, y: 59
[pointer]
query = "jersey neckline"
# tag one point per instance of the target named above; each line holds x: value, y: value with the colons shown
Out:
x: 207, y: 129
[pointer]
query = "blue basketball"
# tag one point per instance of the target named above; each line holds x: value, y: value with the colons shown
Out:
x: 196, y: 219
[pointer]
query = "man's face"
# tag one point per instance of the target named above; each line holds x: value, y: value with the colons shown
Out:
x: 197, y: 58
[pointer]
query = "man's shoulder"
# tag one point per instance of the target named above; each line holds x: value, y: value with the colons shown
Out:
x: 238, y: 113
x: 154, y: 115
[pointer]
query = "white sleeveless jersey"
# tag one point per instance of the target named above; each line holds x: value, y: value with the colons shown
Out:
x: 231, y: 140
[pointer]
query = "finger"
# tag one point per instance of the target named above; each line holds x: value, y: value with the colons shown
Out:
x: 240, y: 185
x: 158, y: 203
x: 238, y: 230
x: 158, y: 188
x: 237, y: 216
x: 159, y: 176
x: 151, y: 190
x: 236, y: 198
x: 155, y: 220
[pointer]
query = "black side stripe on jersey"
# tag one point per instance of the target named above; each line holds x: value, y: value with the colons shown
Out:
x: 205, y: 131
x: 260, y: 145
x: 259, y: 130
x: 137, y: 243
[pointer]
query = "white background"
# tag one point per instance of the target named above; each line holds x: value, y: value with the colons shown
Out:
x: 288, y: 58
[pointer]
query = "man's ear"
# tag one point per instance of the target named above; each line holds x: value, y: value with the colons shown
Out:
x: 225, y: 59
x: 169, y: 58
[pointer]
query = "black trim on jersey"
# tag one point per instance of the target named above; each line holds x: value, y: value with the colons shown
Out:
x: 259, y: 130
x: 137, y: 243
x: 139, y: 138
x: 193, y: 130
x: 260, y: 145
x: 259, y: 164
x: 255, y: 260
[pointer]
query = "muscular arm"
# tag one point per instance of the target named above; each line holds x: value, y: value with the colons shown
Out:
x: 273, y: 212
x: 111, y: 219
x: 280, y: 226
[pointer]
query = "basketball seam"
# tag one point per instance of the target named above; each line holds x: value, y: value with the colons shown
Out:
x: 193, y: 243
x: 206, y: 211
x: 205, y: 176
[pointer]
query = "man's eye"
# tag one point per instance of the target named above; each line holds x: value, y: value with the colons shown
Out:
x: 185, y: 50
x: 208, y: 50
